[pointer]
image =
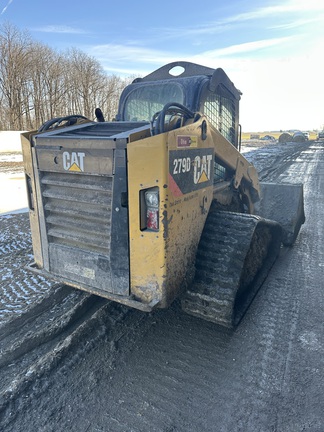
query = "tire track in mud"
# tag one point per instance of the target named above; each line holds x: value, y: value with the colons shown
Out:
x: 272, y: 165
x: 272, y: 317
x: 206, y: 372
x: 19, y: 289
x: 167, y: 383
x: 38, y: 347
x: 39, y: 319
x: 14, y: 234
x: 156, y: 383
x: 307, y: 347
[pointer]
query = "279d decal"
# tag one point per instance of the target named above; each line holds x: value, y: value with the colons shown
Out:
x: 190, y: 170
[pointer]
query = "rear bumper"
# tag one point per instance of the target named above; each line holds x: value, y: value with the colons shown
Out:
x: 127, y: 301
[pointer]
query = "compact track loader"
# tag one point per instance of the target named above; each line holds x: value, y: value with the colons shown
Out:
x: 160, y: 203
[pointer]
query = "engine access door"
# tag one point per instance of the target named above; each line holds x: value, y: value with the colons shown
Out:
x: 83, y: 222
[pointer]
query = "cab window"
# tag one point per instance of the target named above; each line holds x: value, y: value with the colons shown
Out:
x: 143, y: 102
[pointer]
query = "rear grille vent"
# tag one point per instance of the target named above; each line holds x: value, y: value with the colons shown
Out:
x: 78, y: 210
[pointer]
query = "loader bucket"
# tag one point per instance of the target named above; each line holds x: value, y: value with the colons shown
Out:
x: 283, y: 203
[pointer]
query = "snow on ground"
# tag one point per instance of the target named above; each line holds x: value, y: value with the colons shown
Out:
x: 10, y: 141
x: 13, y: 196
x: 263, y: 155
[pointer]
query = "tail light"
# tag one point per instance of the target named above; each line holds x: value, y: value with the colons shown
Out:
x: 150, y: 212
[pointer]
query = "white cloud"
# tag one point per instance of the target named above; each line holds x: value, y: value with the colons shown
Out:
x: 298, y: 23
x: 290, y: 7
x: 114, y: 57
x: 246, y: 47
x: 59, y: 29
x: 290, y: 10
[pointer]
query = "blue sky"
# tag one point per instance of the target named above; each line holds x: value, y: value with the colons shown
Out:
x: 271, y: 50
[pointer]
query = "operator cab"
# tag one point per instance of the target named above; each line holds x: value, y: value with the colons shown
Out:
x: 198, y: 88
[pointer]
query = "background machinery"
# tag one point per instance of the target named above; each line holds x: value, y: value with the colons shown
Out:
x: 160, y: 203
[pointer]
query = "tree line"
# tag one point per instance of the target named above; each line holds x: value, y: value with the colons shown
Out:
x: 38, y: 83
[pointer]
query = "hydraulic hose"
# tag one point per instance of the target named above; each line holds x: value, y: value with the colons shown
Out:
x: 169, y: 109
x: 70, y: 119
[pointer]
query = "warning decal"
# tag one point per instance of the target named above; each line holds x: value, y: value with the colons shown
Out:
x: 184, y: 141
x: 190, y: 170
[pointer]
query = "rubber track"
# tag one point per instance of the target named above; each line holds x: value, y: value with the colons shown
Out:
x: 220, y: 267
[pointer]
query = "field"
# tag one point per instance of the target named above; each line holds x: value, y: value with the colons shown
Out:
x: 275, y: 134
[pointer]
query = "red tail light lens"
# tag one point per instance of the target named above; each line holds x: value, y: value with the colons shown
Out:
x: 152, y: 219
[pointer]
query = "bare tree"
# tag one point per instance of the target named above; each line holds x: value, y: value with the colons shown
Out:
x: 85, y: 81
x: 109, y: 99
x: 37, y: 83
x: 14, y: 62
x: 48, y: 82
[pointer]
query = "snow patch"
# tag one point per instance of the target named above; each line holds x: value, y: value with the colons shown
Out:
x: 10, y: 141
x: 310, y: 340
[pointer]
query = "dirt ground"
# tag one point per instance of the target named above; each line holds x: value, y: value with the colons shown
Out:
x: 72, y: 361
